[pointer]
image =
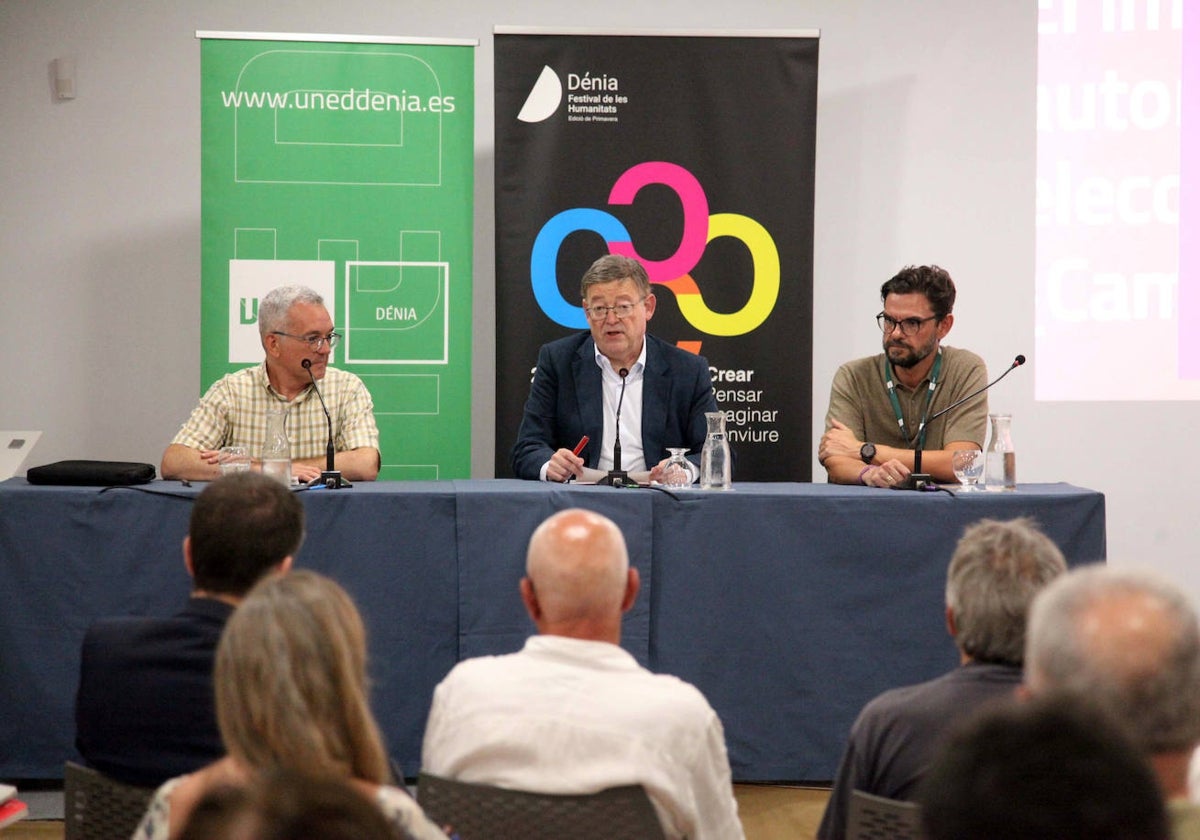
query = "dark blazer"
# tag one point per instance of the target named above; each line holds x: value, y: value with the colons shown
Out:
x: 145, y: 712
x: 566, y: 402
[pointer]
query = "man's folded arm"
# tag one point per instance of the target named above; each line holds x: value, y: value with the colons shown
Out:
x: 180, y: 462
x: 359, y: 464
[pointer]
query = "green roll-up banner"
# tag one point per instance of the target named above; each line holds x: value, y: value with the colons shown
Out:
x: 346, y: 164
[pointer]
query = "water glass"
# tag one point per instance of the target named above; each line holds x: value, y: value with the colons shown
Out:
x: 968, y: 467
x: 676, y: 474
x: 233, y: 459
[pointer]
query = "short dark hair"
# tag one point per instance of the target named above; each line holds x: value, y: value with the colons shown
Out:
x: 242, y: 526
x: 1053, y: 768
x: 929, y: 280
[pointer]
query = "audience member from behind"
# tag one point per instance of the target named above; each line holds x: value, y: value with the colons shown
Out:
x: 1052, y: 769
x: 1129, y: 641
x: 291, y: 678
x: 996, y: 570
x: 573, y: 712
x: 286, y: 805
x: 144, y: 710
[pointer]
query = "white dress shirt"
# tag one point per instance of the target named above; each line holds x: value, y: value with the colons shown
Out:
x: 633, y: 454
x: 573, y: 716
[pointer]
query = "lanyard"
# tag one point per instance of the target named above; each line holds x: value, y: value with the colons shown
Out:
x: 891, y: 386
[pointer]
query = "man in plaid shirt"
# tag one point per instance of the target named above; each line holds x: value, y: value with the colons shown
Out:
x: 294, y: 326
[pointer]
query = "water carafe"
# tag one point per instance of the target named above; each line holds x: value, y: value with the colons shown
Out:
x: 277, y: 451
x: 715, y: 468
x: 1001, y: 455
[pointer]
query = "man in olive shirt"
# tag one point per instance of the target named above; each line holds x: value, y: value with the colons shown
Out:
x: 877, y: 403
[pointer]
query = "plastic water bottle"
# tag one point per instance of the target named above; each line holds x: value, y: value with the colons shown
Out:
x: 277, y: 451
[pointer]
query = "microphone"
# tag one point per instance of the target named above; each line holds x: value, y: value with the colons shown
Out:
x: 617, y: 477
x: 331, y: 478
x: 922, y: 481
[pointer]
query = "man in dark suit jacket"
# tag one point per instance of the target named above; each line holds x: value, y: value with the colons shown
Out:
x: 576, y: 387
x: 144, y: 712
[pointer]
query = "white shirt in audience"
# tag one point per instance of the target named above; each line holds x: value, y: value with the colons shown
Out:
x: 567, y: 715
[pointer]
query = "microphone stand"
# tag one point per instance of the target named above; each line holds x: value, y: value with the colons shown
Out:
x: 922, y: 481
x: 618, y: 477
x: 918, y: 480
x: 330, y: 478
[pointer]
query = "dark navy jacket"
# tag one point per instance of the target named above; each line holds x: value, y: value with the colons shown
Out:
x: 566, y: 402
x: 145, y: 711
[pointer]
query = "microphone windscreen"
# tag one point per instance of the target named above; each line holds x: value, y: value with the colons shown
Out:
x: 307, y: 363
x: 623, y: 372
x: 1020, y: 360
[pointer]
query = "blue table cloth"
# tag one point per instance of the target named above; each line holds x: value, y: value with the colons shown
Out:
x: 788, y: 605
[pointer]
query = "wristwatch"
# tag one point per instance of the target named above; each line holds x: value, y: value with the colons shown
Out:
x: 867, y: 452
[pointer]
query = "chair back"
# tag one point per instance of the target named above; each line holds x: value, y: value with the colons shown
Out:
x: 484, y: 812
x: 96, y: 807
x: 879, y: 818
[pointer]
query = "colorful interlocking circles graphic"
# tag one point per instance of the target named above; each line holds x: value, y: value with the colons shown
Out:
x: 674, y: 272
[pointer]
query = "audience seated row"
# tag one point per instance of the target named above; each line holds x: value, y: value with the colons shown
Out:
x: 572, y: 713
x: 1111, y: 684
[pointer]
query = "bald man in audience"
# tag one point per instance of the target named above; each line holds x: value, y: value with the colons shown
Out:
x: 572, y: 712
x: 1130, y: 642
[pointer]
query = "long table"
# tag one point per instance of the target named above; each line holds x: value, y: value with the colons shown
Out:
x: 788, y: 605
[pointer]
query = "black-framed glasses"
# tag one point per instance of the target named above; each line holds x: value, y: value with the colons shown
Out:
x: 314, y: 342
x: 599, y: 312
x: 908, y: 326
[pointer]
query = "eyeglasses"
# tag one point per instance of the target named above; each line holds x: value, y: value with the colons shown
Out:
x: 600, y: 312
x: 314, y: 342
x: 908, y: 326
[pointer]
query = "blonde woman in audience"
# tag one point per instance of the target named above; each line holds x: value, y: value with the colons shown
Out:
x: 291, y: 692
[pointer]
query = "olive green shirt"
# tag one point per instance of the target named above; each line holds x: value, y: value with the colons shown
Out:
x: 859, y: 398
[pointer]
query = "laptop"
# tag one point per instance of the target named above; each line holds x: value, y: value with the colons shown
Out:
x: 14, y: 449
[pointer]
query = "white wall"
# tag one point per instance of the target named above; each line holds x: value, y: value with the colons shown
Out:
x: 925, y: 154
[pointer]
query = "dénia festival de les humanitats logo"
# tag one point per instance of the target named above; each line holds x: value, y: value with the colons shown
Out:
x: 544, y: 98
x: 590, y: 98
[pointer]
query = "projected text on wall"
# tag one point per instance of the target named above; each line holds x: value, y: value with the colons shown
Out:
x: 1115, y: 314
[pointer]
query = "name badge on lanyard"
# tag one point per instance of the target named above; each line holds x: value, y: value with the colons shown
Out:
x: 891, y: 386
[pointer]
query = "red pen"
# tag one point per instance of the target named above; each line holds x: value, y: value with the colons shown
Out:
x: 583, y: 441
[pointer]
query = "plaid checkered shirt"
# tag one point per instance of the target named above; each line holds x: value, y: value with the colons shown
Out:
x: 234, y: 411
